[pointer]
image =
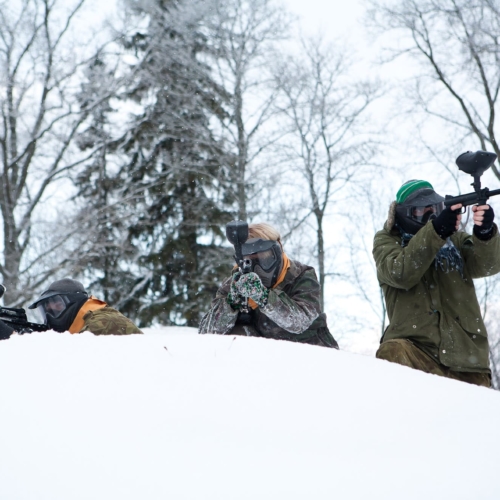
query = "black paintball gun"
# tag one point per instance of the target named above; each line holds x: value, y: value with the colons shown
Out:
x: 474, y: 164
x: 237, y: 234
x: 16, y: 318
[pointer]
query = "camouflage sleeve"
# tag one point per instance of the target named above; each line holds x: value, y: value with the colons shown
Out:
x: 108, y: 321
x: 222, y: 317
x: 401, y: 267
x: 295, y: 312
x: 482, y: 257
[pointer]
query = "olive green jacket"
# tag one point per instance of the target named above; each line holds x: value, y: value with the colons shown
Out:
x: 108, y: 321
x: 435, y: 310
x: 292, y: 312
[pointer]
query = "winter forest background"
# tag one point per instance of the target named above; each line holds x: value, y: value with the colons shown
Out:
x: 129, y: 137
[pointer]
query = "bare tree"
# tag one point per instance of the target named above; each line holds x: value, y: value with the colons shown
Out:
x: 456, y: 43
x: 39, y: 120
x: 363, y: 271
x: 325, y: 145
x: 245, y: 34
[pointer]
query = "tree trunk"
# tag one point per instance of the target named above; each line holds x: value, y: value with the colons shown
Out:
x: 321, y: 257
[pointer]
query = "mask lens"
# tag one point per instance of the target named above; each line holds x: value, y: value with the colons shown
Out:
x: 41, y: 313
x: 423, y: 214
x: 265, y: 260
x: 53, y: 306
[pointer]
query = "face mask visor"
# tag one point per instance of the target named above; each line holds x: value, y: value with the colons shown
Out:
x: 53, y: 307
x: 263, y: 257
x: 422, y: 214
x: 266, y: 260
x: 265, y: 254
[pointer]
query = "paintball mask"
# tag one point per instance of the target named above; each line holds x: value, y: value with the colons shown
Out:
x: 59, y: 305
x: 263, y: 257
x: 54, y: 307
x: 418, y: 207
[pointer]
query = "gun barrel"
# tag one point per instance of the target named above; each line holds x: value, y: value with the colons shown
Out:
x: 237, y: 234
x: 17, y: 319
x: 471, y: 198
x: 464, y: 199
x: 13, y: 313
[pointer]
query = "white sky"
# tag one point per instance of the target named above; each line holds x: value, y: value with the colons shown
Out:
x: 331, y: 17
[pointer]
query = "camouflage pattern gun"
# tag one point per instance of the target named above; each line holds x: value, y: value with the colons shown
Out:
x: 16, y: 318
x: 474, y: 164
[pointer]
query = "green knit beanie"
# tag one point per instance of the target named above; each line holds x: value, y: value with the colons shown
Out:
x: 410, y: 187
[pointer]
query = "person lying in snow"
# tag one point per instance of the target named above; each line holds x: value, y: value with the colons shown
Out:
x: 66, y: 306
x: 425, y: 267
x: 283, y: 296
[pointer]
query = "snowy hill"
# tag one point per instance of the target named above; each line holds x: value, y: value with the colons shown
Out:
x: 175, y: 415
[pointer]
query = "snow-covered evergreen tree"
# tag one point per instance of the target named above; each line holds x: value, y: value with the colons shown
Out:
x: 105, y: 252
x: 173, y: 177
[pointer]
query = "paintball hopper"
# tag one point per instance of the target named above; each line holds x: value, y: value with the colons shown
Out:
x: 2, y: 290
x: 237, y: 234
x: 475, y: 163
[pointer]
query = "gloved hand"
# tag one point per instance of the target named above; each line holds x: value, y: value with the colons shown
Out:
x: 234, y: 298
x: 250, y: 285
x: 484, y: 216
x: 446, y: 223
x: 5, y: 331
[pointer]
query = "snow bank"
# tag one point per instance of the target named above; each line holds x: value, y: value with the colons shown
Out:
x: 175, y: 415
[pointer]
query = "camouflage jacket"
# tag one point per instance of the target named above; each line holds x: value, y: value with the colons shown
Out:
x: 292, y: 312
x: 108, y: 321
x: 437, y: 311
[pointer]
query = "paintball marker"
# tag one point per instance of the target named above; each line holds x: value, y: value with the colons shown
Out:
x: 16, y: 318
x: 474, y: 164
x: 237, y: 234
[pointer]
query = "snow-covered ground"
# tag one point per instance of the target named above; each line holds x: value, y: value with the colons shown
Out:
x: 173, y: 415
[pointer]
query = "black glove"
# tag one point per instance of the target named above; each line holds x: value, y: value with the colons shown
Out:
x: 485, y: 232
x: 445, y: 224
x: 5, y: 331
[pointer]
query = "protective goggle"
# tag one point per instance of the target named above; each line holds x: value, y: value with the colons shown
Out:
x: 423, y: 213
x: 266, y: 260
x: 53, y: 306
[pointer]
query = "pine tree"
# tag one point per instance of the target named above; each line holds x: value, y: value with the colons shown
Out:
x: 173, y: 183
x: 105, y: 254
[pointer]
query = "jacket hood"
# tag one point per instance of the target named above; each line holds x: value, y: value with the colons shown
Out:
x: 391, y: 217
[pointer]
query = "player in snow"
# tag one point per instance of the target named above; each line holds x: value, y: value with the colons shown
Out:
x: 425, y: 267
x: 66, y: 306
x: 282, y: 295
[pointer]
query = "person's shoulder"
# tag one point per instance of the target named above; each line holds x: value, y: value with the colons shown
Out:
x: 297, y: 267
x: 385, y: 235
x: 109, y: 321
x: 297, y: 270
x: 387, y: 232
